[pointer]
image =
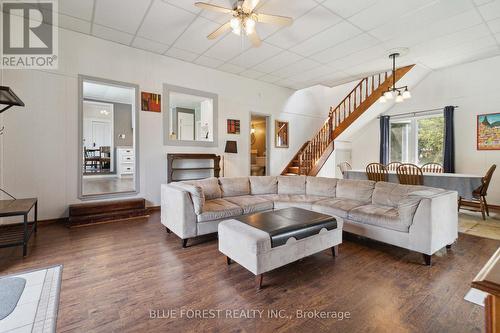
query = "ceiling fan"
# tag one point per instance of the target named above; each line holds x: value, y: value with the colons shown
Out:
x: 244, y: 19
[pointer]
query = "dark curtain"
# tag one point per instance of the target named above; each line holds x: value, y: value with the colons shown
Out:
x: 384, y: 139
x: 449, y: 140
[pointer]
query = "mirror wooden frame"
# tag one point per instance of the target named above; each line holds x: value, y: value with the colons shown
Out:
x: 277, y: 126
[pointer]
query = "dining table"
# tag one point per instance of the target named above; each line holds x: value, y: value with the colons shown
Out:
x: 464, y: 184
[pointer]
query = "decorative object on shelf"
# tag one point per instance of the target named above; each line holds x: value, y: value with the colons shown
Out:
x: 231, y: 148
x: 173, y: 161
x: 233, y: 126
x: 244, y: 19
x: 281, y: 134
x: 393, y: 92
x: 488, y: 131
x: 150, y: 102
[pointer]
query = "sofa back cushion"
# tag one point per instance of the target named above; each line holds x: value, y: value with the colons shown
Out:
x: 210, y: 186
x: 391, y: 194
x: 263, y: 185
x: 321, y: 186
x: 196, y: 193
x: 360, y: 190
x: 291, y: 184
x: 234, y: 186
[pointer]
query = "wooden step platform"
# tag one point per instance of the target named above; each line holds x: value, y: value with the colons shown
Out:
x: 106, y: 211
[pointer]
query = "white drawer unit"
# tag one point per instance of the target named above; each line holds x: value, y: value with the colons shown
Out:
x: 125, y: 158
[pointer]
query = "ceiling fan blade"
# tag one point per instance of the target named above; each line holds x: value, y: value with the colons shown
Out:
x: 274, y: 19
x: 222, y: 29
x: 249, y: 5
x: 255, y: 39
x: 214, y: 8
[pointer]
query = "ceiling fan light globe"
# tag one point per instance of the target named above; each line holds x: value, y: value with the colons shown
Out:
x: 382, y: 99
x: 388, y: 95
x: 406, y: 94
x: 399, y: 98
x: 235, y: 23
x: 237, y: 31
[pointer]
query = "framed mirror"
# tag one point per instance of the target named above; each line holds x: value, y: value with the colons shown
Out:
x: 189, y: 117
x: 108, y: 132
x: 281, y: 134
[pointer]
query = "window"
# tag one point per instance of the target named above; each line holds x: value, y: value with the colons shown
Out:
x: 417, y: 140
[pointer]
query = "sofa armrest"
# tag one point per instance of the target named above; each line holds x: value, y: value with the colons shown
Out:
x: 435, y: 223
x: 177, y: 211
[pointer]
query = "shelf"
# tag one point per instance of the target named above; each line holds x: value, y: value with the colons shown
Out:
x: 13, y: 234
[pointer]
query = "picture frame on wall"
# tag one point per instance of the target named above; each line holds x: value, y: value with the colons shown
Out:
x: 488, y: 131
x: 233, y: 126
x: 150, y: 102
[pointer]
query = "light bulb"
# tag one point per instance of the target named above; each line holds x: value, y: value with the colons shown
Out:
x: 249, y: 25
x: 237, y: 31
x: 388, y: 95
x: 399, y: 98
x: 406, y: 94
x: 382, y: 99
x: 235, y: 23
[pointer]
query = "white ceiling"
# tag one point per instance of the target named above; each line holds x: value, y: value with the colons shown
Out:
x: 330, y: 41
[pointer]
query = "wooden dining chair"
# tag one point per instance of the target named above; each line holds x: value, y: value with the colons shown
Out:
x: 432, y: 168
x: 479, y: 194
x: 393, y: 166
x: 377, y: 172
x: 344, y: 166
x: 410, y: 174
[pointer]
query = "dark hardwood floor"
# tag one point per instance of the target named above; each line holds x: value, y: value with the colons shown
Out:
x: 114, y: 274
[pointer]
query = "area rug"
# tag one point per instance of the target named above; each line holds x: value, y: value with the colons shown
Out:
x: 472, y: 223
x: 35, y: 310
x: 11, y: 289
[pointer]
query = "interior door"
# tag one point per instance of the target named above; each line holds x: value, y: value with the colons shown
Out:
x: 185, y: 125
x: 101, y: 133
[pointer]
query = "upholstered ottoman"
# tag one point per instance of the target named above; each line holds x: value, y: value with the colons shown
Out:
x: 259, y: 247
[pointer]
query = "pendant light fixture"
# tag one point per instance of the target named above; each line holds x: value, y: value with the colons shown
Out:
x: 399, y: 94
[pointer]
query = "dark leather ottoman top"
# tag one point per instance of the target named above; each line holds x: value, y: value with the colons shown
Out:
x: 294, y: 222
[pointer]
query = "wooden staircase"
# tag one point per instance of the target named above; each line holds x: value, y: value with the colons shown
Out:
x: 314, y: 153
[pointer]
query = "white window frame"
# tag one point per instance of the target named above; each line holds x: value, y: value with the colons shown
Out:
x: 412, y: 139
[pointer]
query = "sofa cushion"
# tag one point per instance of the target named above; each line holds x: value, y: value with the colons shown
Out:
x: 359, y: 190
x: 210, y: 186
x: 251, y: 203
x: 263, y: 185
x: 321, y: 186
x: 336, y: 206
x: 390, y: 194
x: 291, y: 184
x: 217, y: 209
x: 234, y: 186
x: 196, y: 193
x: 296, y: 200
x: 382, y: 216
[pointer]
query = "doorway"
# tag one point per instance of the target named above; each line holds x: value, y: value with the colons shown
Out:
x: 259, y: 144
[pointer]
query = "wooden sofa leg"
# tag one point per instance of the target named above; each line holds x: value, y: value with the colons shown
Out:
x: 448, y: 246
x: 335, y: 251
x: 258, y: 281
x: 228, y: 260
x: 184, y: 243
x: 428, y: 260
x: 168, y: 230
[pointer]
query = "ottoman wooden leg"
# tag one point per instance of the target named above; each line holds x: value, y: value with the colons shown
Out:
x: 228, y: 260
x: 335, y: 251
x: 258, y: 281
x: 184, y: 243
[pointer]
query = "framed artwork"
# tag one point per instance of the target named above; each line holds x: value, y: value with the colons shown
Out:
x: 150, y: 102
x: 233, y: 126
x: 281, y: 134
x: 488, y: 131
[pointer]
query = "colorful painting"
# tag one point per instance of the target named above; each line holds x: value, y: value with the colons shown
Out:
x: 233, y: 126
x: 150, y: 102
x: 488, y: 131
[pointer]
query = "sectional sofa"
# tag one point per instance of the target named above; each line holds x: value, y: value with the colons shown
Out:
x: 417, y: 218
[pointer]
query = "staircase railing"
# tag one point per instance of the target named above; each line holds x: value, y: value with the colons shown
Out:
x: 364, y: 94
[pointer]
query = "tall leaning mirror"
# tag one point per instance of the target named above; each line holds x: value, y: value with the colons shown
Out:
x: 189, y: 117
x: 108, y: 133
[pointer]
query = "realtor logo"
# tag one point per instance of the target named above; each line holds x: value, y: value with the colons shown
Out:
x: 29, y: 37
